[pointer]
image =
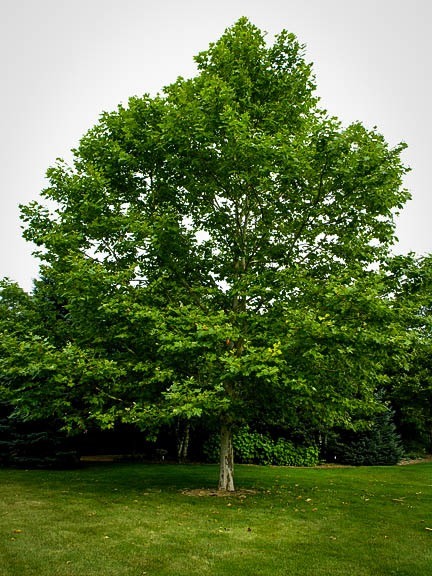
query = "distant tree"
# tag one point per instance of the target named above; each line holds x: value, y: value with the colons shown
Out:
x: 25, y: 438
x: 216, y: 247
x: 409, y: 387
x: 40, y: 381
x: 379, y: 445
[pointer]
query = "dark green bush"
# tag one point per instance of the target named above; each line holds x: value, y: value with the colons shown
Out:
x: 33, y: 444
x: 256, y: 448
x: 285, y: 453
x: 379, y: 446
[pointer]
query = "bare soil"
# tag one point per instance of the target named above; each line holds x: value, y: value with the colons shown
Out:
x: 219, y: 493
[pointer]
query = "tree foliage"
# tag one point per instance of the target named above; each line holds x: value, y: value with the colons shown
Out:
x: 380, y: 445
x: 214, y: 251
x: 410, y: 385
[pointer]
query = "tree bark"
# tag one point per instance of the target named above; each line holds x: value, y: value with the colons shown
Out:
x: 226, y: 474
x: 183, y: 432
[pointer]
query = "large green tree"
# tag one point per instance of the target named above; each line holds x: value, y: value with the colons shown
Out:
x: 219, y: 243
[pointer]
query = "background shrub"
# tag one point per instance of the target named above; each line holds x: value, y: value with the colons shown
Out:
x: 255, y: 448
x: 379, y: 446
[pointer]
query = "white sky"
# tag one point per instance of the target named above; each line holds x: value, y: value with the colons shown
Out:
x: 63, y: 62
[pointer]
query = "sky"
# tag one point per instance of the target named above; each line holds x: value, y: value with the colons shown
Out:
x: 64, y: 62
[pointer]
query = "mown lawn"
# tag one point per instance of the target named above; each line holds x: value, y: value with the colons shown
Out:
x: 134, y: 520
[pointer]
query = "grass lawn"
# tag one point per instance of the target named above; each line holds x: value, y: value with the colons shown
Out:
x: 137, y: 519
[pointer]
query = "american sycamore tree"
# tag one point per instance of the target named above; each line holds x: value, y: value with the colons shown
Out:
x: 218, y: 245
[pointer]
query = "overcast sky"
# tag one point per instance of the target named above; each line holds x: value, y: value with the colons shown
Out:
x: 63, y: 62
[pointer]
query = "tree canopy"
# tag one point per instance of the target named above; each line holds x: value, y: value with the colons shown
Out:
x: 215, y: 248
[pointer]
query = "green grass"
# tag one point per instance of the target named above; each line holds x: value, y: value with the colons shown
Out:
x: 134, y: 520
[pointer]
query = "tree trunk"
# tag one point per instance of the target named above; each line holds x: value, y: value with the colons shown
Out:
x: 183, y: 432
x: 226, y: 474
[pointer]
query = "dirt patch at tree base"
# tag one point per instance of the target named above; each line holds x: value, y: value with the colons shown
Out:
x: 219, y: 493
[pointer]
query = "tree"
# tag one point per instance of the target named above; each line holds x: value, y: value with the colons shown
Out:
x: 409, y: 387
x: 216, y: 242
x: 39, y: 379
x: 380, y: 445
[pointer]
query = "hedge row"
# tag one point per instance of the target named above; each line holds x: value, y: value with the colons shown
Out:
x: 256, y: 448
